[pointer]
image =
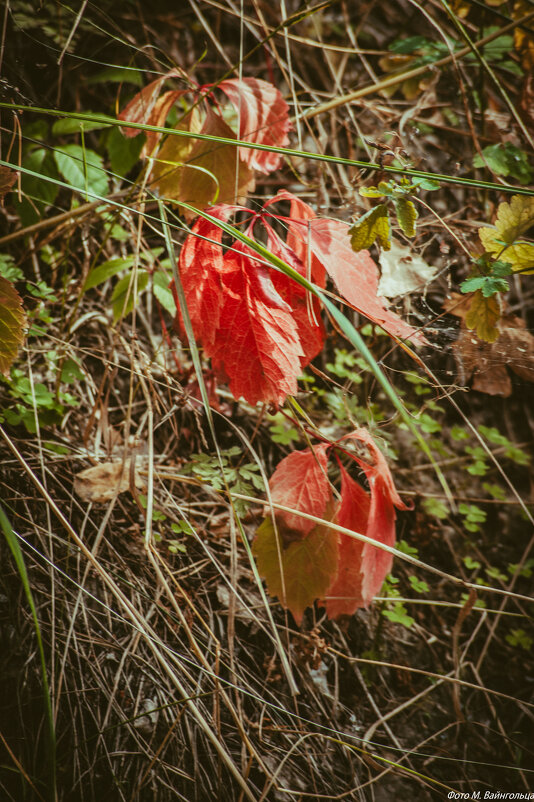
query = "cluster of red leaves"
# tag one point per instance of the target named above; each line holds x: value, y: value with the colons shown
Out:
x: 195, y: 170
x: 303, y: 561
x: 259, y: 327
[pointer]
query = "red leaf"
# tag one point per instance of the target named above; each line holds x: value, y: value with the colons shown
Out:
x: 355, y: 274
x: 376, y: 563
x: 144, y: 104
x: 300, y: 482
x: 306, y: 307
x: 297, y: 238
x: 344, y: 596
x: 263, y: 118
x: 201, y: 265
x: 257, y: 346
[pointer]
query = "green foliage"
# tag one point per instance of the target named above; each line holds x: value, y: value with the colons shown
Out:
x: 507, y: 160
x: 282, y: 431
x: 518, y: 637
x: 241, y: 478
x: 472, y: 515
x: 83, y: 169
x: 488, y: 276
x: 435, y: 507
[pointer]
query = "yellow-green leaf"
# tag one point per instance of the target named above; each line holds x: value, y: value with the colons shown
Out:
x: 407, y: 214
x: 371, y: 226
x: 483, y: 316
x: 12, y: 324
x: 513, y: 220
x: 301, y: 573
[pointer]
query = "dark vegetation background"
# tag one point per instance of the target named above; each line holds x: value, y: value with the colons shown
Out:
x: 377, y: 716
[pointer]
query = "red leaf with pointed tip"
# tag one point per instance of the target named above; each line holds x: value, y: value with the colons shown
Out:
x: 306, y: 307
x: 344, y: 596
x: 376, y: 563
x: 144, y: 104
x: 297, y: 239
x: 256, y: 346
x: 263, y: 118
x: 355, y: 274
x: 300, y: 482
x: 201, y: 265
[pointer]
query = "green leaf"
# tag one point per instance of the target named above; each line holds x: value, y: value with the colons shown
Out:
x: 436, y: 507
x: 505, y: 159
x: 124, y: 296
x: 12, y: 324
x: 125, y: 75
x: 70, y: 125
x: 82, y: 169
x: 373, y: 225
x: 123, y: 152
x: 39, y: 193
x: 107, y: 270
x: 488, y: 285
x: 163, y: 293
x: 407, y: 214
x: 370, y: 192
x: 426, y: 183
x: 300, y: 573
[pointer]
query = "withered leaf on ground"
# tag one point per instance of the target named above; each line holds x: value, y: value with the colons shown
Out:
x: 103, y: 482
x: 488, y: 362
x: 403, y: 270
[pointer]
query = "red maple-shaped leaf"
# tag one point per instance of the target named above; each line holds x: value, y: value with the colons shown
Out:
x: 301, y: 483
x: 376, y: 563
x: 256, y: 346
x: 201, y: 266
x: 344, y: 596
x: 263, y: 118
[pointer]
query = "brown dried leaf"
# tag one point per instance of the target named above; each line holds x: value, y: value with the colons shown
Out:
x: 7, y: 179
x: 103, y: 482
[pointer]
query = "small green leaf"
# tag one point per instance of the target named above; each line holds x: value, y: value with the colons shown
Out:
x: 124, y: 297
x: 70, y: 125
x: 487, y: 284
x: 371, y: 226
x: 370, y: 192
x: 163, y: 293
x: 82, y: 169
x: 107, y: 270
x: 407, y: 214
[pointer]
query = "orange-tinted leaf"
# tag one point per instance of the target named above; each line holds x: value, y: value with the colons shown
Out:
x: 263, y: 118
x: 300, y: 482
x: 301, y: 572
x: 483, y: 316
x: 143, y: 105
x: 344, y: 596
x: 200, y: 172
x: 12, y: 324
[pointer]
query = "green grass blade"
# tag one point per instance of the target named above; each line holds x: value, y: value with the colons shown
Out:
x: 14, y: 545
